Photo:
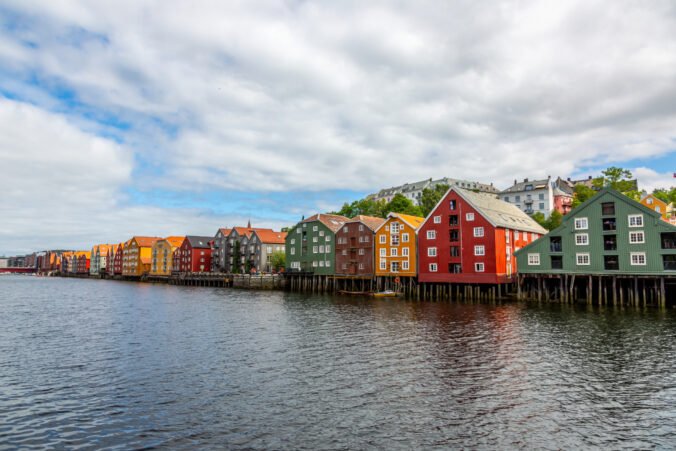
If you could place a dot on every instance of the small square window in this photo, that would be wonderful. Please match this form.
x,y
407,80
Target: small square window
x,y
431,251
533,259
638,258
479,250
433,267
479,267
581,224
469,216
635,220
478,231
437,219
431,234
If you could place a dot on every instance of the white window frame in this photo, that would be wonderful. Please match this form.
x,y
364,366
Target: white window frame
x,y
328,264
328,248
394,252
469,217
394,228
437,219
383,252
361,229
431,234
433,267
637,233
383,239
478,232
579,225
404,252
506,236
638,256
638,223
479,267
315,249
479,250
534,259
404,265
328,239
315,228
404,237
584,242
344,252
431,251
321,263
383,264
582,255
361,251
293,241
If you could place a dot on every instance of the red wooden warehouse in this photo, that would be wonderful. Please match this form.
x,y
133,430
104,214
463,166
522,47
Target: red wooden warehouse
x,y
194,255
470,237
117,260
355,243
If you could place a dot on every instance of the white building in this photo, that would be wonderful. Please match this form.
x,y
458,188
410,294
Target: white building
x,y
413,191
531,196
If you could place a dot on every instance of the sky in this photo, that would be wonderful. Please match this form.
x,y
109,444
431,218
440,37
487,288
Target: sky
x,y
170,118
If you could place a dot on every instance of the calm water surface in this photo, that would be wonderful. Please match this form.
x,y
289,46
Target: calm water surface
x,y
102,364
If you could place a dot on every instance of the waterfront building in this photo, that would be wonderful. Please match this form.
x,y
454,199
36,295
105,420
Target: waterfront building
x,y
310,245
162,253
260,246
83,262
99,258
395,247
226,246
355,246
531,196
608,234
193,255
118,259
470,238
666,210
413,191
137,254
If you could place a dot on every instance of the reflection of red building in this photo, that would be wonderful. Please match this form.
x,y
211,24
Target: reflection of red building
x,y
563,202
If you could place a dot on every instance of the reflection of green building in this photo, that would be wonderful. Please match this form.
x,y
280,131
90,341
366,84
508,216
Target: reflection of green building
x,y
310,245
608,234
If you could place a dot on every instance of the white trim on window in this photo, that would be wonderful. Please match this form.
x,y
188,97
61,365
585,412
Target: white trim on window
x,y
431,251
582,239
479,267
404,252
582,259
478,231
479,250
383,239
638,258
404,237
469,217
431,234
636,237
437,219
635,220
581,223
433,267
533,259
404,265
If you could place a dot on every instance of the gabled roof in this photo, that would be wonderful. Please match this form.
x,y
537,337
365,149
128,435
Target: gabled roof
x,y
174,241
413,221
521,186
654,198
498,212
247,231
371,222
333,222
146,241
271,237
199,242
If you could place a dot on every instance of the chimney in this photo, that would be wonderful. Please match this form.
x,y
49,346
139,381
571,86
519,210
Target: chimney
x,y
525,180
590,177
568,179
515,182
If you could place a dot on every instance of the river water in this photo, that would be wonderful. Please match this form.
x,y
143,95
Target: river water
x,y
102,364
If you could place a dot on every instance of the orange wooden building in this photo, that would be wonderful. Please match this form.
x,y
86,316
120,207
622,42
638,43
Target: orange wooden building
x,y
395,248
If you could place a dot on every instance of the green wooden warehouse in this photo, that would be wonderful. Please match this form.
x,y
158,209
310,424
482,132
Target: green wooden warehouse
x,y
310,246
610,248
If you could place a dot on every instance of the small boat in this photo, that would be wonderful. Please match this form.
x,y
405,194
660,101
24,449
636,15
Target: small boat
x,y
355,293
385,294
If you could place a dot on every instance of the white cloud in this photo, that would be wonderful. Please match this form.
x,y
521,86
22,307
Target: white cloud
x,y
650,179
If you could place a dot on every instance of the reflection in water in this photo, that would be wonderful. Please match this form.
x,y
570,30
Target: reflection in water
x,y
108,364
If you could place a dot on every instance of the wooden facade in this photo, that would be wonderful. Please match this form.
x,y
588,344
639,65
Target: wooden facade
x,y
396,246
355,246
310,246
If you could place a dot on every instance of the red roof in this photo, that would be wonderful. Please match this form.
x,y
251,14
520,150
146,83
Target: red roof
x,y
146,241
371,222
333,222
246,231
270,237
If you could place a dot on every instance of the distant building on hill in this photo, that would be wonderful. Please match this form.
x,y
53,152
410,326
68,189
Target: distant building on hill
x,y
413,191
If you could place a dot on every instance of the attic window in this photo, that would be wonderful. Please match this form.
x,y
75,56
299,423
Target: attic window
x,y
608,208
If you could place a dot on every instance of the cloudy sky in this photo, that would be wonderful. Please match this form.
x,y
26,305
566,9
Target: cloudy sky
x,y
166,117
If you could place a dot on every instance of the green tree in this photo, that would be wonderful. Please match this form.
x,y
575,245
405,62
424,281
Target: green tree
x,y
235,258
278,260
430,198
401,204
665,195
554,220
539,218
582,193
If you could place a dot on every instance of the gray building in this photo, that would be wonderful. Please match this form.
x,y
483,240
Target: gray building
x,y
248,244
413,191
531,196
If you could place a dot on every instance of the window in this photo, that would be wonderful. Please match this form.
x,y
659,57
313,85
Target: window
x,y
387,228
507,236
582,239
478,231
361,266
469,216
293,241
610,243
609,224
437,219
431,234
581,224
668,240
455,251
328,264
541,206
394,240
453,235
516,235
478,267
433,267
404,265
366,238
361,228
431,251
635,220
297,231
315,239
533,259
314,249
394,267
315,228
383,239
393,252
517,198
404,252
395,227
321,249
315,264
345,229
328,248
508,254
479,250
657,208
451,205
321,263
328,239
669,262
383,252
506,199
608,208
454,268
404,237
557,261
344,265
649,201
582,258
453,220
383,264
637,258
321,233
636,237
541,196
611,263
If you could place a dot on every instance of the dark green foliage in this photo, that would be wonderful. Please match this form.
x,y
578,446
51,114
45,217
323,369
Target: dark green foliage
x,y
539,218
582,193
278,259
554,220
665,195
430,198
369,207
401,204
